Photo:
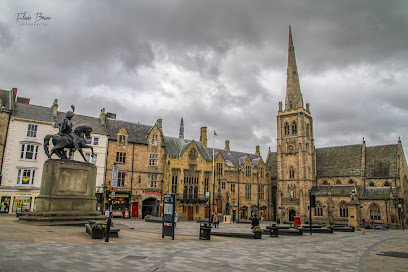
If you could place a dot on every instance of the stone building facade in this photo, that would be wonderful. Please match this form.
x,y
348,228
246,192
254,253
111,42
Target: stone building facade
x,y
372,179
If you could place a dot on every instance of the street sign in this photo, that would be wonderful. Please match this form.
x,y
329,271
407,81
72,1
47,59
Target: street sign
x,y
169,210
114,181
207,194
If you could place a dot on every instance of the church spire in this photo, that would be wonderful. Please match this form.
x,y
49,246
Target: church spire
x,y
181,135
294,98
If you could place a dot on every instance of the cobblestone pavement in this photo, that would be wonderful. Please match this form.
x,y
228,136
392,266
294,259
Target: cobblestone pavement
x,y
140,247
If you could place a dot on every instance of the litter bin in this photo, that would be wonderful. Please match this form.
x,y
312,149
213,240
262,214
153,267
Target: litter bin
x,y
297,221
274,231
205,231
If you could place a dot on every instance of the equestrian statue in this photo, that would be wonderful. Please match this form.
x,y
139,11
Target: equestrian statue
x,y
68,138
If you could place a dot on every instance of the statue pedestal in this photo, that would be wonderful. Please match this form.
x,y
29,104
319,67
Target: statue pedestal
x,y
67,193
354,214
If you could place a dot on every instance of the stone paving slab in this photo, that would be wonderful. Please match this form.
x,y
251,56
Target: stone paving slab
x,y
140,248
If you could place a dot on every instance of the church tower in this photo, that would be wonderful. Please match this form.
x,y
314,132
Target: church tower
x,y
296,156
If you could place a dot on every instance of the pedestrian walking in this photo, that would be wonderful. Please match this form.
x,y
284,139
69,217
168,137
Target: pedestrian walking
x,y
215,220
176,218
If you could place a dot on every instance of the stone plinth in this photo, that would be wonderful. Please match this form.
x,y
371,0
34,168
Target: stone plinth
x,y
67,193
354,214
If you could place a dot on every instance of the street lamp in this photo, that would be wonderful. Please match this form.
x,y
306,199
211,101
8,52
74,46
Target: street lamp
x,y
239,211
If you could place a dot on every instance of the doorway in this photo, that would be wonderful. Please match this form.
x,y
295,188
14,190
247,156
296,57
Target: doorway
x,y
135,209
150,207
190,213
219,205
292,214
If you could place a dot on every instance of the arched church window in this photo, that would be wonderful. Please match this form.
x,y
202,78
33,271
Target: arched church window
x,y
325,182
375,212
371,184
338,182
287,129
318,209
294,128
387,184
343,209
291,172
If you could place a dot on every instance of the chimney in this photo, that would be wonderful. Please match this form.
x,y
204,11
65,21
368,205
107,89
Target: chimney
x,y
203,136
257,151
54,109
160,124
227,148
23,100
14,92
308,107
103,116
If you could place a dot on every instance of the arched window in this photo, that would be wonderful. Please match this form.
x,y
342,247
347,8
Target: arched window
x,y
371,184
375,212
290,105
318,209
343,209
185,192
325,182
307,130
350,181
196,192
387,184
294,128
287,129
291,172
190,191
338,182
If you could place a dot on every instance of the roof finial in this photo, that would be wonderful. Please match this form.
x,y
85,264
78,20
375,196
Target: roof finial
x,y
181,135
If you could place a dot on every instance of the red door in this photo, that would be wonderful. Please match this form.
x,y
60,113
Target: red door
x,y
190,213
207,212
135,209
219,205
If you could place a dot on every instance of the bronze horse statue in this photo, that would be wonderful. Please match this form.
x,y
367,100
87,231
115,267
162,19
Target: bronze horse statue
x,y
61,141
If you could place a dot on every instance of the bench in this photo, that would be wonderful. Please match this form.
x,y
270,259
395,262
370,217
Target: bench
x,y
245,235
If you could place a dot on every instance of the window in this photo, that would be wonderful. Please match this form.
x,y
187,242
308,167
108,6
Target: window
x,y
261,191
174,180
193,154
338,182
318,209
294,128
219,168
371,184
153,160
25,176
291,172
223,184
29,152
261,173
375,212
248,171
233,187
325,182
121,178
32,131
307,130
122,139
197,209
387,184
91,159
152,183
121,157
343,209
92,141
287,129
154,140
350,181
206,182
248,191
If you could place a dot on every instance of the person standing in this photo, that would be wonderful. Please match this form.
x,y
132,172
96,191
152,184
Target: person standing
x,y
176,218
254,221
215,220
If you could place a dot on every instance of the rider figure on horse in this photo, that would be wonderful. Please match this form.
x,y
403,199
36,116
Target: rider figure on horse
x,y
66,129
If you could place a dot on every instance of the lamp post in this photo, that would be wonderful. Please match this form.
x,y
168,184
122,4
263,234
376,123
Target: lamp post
x,y
239,211
113,185
258,193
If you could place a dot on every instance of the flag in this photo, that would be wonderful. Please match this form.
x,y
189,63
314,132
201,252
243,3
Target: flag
x,y
215,133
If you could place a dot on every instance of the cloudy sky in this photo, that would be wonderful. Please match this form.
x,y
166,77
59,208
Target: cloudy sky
x,y
218,63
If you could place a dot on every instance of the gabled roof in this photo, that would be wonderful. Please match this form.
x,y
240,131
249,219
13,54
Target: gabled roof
x,y
79,120
236,158
381,161
5,97
338,161
176,147
32,112
137,132
378,192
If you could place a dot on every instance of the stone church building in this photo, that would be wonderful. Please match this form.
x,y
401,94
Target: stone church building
x,y
375,177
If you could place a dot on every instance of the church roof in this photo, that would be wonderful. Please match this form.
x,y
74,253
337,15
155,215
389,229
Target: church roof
x,y
236,158
272,164
338,161
378,192
176,146
337,190
137,132
381,161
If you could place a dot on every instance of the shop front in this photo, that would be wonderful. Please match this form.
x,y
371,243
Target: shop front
x,y
120,203
20,202
5,204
